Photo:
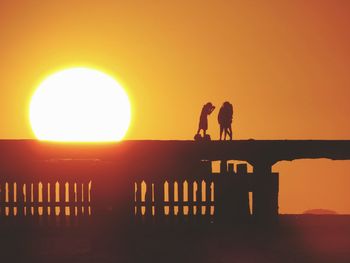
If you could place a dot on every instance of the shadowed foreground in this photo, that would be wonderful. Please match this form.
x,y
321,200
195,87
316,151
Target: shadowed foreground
x,y
297,238
113,232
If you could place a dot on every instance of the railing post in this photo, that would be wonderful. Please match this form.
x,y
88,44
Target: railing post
x,y
62,196
198,198
27,200
52,195
85,195
208,197
10,187
20,199
148,201
2,197
35,190
71,198
171,198
44,198
180,197
159,200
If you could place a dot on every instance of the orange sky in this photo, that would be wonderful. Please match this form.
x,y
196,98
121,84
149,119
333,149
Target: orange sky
x,y
284,66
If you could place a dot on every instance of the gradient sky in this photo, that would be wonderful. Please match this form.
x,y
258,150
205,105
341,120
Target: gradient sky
x,y
283,65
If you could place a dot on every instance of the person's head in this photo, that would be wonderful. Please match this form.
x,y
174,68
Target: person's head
x,y
209,105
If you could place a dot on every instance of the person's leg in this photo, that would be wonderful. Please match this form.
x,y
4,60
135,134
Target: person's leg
x,y
199,130
221,131
230,132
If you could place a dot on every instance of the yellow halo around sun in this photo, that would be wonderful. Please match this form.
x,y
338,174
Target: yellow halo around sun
x,y
80,105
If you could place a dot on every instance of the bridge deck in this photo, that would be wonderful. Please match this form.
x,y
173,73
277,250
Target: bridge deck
x,y
119,172
252,151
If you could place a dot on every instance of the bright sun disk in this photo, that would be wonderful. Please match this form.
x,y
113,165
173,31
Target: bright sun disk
x,y
80,105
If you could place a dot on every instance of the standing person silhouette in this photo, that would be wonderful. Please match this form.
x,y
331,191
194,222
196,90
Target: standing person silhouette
x,y
221,120
229,119
225,120
203,119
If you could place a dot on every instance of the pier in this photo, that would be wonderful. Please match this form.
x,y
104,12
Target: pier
x,y
150,181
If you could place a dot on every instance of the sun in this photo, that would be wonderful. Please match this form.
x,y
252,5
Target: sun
x,y
80,105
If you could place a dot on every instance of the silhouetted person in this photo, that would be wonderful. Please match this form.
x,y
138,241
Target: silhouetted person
x,y
203,120
221,120
225,120
228,127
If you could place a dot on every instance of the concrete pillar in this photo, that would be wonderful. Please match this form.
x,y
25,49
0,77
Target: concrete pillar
x,y
265,193
231,197
223,167
241,198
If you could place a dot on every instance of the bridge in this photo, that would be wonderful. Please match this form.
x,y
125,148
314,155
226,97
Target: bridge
x,y
150,180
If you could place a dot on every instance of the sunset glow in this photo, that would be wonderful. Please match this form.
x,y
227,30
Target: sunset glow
x,y
80,105
284,65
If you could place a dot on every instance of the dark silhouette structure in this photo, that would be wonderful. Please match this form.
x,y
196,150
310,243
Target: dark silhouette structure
x,y
152,181
203,119
225,120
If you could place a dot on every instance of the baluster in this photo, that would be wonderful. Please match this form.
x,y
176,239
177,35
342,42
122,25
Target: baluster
x,y
44,199
66,214
62,199
166,198
171,197
148,200
26,199
71,198
30,199
198,195
203,188
191,198
81,197
15,199
78,196
2,197
176,198
180,197
20,199
212,199
40,199
142,198
10,201
85,200
52,197
35,201
89,197
208,197
138,199
135,199
186,206
153,201
159,199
